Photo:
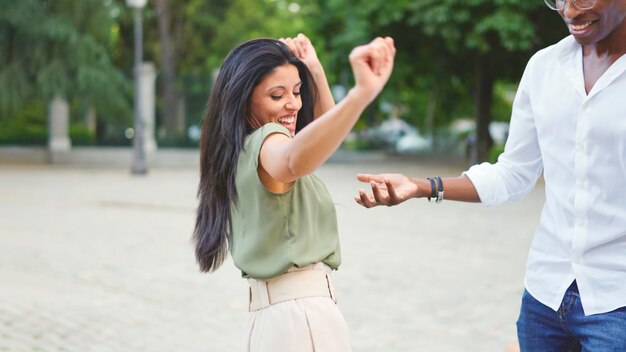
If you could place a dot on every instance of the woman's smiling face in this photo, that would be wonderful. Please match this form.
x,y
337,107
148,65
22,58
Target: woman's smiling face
x,y
277,99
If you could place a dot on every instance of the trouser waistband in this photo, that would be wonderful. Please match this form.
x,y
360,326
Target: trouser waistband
x,y
288,286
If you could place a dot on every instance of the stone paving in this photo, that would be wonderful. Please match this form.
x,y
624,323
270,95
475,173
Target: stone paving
x,y
99,260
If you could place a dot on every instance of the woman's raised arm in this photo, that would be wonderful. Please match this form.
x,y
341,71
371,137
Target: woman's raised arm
x,y
286,159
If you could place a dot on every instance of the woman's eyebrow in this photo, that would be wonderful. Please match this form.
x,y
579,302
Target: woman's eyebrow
x,y
283,87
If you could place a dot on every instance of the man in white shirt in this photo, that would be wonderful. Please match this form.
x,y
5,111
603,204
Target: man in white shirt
x,y
569,121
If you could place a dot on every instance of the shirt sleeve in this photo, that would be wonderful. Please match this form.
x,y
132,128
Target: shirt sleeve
x,y
261,134
519,167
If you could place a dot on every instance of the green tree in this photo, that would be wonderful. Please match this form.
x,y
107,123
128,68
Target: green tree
x,y
59,48
245,20
494,37
448,50
188,39
185,28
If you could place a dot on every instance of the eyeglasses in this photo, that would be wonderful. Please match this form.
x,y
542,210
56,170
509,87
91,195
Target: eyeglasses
x,y
560,4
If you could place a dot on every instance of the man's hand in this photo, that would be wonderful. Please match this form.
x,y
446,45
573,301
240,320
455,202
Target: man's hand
x,y
387,189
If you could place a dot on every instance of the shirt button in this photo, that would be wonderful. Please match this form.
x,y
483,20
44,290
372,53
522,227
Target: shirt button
x,y
579,147
576,259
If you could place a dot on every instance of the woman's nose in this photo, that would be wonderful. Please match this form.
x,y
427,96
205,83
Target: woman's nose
x,y
294,103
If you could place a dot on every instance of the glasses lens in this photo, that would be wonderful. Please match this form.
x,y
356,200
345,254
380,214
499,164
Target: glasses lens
x,y
560,4
554,4
585,4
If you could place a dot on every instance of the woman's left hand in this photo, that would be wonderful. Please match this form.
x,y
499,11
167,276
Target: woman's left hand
x,y
302,48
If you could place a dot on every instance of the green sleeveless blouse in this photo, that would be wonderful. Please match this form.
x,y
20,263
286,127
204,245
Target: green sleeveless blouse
x,y
272,232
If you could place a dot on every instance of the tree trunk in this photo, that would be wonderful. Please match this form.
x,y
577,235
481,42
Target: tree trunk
x,y
90,119
431,110
482,102
168,68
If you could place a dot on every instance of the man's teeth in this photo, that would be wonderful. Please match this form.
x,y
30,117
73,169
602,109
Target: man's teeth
x,y
287,119
580,27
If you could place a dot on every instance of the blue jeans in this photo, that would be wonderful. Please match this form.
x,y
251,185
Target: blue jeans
x,y
540,329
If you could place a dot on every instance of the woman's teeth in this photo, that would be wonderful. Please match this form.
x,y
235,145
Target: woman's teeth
x,y
287,119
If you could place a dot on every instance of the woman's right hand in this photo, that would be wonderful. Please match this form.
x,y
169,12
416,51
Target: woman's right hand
x,y
372,65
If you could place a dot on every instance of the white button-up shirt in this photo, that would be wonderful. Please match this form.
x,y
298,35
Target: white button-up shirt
x,y
578,140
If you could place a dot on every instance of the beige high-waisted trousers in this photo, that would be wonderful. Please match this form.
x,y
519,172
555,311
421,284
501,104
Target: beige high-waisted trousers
x,y
296,312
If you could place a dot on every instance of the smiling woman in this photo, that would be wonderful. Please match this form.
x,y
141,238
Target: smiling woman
x,y
270,123
277,99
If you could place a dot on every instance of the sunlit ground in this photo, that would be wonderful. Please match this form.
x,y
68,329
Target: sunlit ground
x,y
99,260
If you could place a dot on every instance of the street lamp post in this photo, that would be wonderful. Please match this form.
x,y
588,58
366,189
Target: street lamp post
x,y
139,166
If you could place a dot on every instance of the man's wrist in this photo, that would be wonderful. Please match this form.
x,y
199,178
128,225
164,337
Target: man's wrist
x,y
423,188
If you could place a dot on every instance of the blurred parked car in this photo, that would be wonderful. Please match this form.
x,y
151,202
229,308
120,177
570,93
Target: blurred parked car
x,y
412,143
397,135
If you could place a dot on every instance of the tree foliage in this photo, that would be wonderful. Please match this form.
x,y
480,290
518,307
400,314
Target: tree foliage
x,y
451,53
59,48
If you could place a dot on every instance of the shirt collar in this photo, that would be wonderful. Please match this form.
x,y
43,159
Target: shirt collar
x,y
570,57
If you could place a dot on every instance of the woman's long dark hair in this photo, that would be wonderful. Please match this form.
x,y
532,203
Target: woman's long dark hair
x,y
225,127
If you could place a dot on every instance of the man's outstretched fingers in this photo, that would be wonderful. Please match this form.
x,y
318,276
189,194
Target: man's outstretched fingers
x,y
375,191
368,178
392,192
365,200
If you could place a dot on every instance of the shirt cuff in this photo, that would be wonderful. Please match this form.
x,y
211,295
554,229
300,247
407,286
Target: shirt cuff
x,y
490,187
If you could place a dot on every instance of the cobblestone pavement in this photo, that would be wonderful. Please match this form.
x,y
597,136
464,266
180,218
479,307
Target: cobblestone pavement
x,y
99,260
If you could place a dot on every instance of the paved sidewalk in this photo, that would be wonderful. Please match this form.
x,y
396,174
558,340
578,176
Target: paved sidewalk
x,y
99,260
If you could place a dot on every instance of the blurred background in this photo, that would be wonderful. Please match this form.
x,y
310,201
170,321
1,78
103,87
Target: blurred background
x,y
66,68
94,258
